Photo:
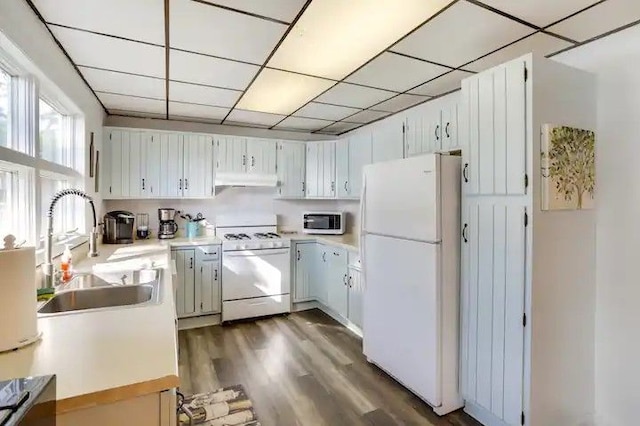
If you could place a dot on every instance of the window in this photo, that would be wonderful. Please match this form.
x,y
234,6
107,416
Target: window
x,y
5,108
14,200
68,218
55,137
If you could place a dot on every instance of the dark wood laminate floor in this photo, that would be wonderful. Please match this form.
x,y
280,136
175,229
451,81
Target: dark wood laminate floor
x,y
301,369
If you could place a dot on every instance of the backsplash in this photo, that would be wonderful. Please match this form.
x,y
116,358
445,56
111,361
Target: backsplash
x,y
240,200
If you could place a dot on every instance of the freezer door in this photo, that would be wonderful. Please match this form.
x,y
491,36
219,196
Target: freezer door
x,y
401,324
401,198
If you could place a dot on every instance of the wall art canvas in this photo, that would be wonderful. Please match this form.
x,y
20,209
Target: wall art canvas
x,y
568,168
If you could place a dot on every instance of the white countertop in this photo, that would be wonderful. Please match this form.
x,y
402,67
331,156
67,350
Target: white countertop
x,y
95,351
347,241
197,241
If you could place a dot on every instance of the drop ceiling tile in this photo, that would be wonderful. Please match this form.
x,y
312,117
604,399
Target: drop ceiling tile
x,y
354,96
399,102
117,82
178,109
130,103
396,72
325,111
461,34
539,43
201,28
138,20
366,116
195,94
283,10
340,127
299,123
599,19
201,69
137,114
443,84
539,12
254,117
111,53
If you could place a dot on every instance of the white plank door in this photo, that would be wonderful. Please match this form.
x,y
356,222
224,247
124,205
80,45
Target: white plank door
x,y
207,282
198,166
387,139
432,138
313,169
304,271
359,156
115,148
329,170
321,273
136,161
414,133
337,281
450,127
291,169
261,156
151,181
493,291
356,296
231,155
171,162
343,163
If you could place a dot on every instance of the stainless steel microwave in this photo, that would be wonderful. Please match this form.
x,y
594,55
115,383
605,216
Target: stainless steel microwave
x,y
327,223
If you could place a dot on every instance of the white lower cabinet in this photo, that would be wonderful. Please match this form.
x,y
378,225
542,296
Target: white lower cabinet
x,y
305,272
336,280
198,280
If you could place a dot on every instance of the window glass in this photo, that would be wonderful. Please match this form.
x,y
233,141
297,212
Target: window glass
x,y
54,138
63,213
5,108
7,202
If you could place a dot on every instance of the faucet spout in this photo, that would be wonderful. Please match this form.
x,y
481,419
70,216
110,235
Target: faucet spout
x,y
47,267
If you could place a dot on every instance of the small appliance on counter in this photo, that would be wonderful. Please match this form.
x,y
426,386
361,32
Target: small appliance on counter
x,y
28,401
168,226
324,223
142,226
118,227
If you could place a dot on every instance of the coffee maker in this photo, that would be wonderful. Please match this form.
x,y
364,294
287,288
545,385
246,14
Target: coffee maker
x,y
168,226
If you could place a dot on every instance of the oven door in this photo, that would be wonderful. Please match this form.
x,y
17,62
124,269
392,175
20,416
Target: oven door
x,y
255,273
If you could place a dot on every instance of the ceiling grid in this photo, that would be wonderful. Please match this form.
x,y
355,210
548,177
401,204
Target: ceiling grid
x,y
145,59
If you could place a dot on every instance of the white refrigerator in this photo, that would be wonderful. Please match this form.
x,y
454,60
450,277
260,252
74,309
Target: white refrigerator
x,y
410,248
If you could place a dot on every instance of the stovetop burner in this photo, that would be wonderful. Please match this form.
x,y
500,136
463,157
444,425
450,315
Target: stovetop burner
x,y
237,237
266,235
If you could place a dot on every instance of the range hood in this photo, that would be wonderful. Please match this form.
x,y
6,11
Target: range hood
x,y
246,179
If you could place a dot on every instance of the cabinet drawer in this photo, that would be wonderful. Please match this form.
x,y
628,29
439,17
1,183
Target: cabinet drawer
x,y
257,307
208,253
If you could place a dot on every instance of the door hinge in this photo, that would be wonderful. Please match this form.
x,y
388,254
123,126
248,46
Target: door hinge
x,y
526,181
526,219
526,74
522,418
524,320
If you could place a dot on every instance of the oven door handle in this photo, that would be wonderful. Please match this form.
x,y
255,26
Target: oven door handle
x,y
258,252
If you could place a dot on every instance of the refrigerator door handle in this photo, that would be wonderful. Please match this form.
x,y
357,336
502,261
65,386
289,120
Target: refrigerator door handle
x,y
363,201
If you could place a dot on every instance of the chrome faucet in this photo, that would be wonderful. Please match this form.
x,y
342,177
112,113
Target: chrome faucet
x,y
47,267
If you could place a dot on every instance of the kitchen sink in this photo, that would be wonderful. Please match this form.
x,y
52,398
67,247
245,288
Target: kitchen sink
x,y
102,297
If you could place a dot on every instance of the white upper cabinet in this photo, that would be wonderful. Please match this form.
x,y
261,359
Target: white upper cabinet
x,y
494,133
432,127
387,139
449,133
321,169
360,147
231,154
261,156
342,168
291,169
415,132
171,182
198,166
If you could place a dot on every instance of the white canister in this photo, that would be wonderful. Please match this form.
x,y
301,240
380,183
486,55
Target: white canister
x,y
18,316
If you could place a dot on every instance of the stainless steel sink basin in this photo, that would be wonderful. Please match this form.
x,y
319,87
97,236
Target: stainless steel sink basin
x,y
101,298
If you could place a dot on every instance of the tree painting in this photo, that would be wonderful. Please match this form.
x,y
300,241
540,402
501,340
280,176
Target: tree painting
x,y
568,168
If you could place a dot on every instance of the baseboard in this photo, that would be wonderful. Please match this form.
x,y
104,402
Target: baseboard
x,y
482,415
196,322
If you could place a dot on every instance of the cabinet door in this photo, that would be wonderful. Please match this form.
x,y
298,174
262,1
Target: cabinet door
x,y
388,139
291,169
342,167
493,294
450,127
359,156
208,285
171,157
433,132
494,108
314,172
337,285
305,260
116,160
414,133
231,155
135,162
185,287
356,294
198,166
151,180
321,268
329,170
261,156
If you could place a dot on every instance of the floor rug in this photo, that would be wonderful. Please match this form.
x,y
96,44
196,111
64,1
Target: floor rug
x,y
228,406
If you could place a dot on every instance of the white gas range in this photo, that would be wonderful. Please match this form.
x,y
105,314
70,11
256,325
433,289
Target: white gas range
x,y
256,265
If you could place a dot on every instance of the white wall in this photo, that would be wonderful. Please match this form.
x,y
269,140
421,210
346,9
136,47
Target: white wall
x,y
616,60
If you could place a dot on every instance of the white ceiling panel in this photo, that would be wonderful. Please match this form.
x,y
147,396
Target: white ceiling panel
x,y
199,111
354,96
366,116
201,69
540,43
340,127
201,28
300,123
138,20
111,53
254,117
399,102
396,72
599,19
117,82
195,94
325,111
131,103
443,84
283,10
461,34
137,114
539,12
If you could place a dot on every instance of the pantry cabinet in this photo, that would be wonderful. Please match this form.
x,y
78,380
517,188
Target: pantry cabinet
x,y
197,288
291,167
321,169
